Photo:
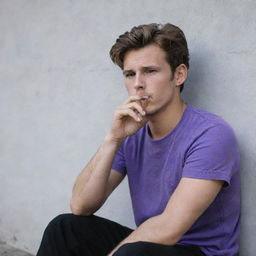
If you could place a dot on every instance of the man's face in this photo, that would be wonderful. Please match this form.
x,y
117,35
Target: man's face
x,y
147,72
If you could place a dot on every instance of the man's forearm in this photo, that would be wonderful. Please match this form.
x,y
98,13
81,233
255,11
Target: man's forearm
x,y
155,230
90,187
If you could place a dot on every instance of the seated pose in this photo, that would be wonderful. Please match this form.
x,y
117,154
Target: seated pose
x,y
182,165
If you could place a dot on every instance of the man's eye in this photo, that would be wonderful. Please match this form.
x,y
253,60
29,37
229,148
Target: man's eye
x,y
129,74
151,70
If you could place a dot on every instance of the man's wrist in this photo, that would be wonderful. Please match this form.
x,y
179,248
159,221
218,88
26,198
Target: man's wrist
x,y
111,139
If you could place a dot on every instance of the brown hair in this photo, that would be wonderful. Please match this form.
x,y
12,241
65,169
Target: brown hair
x,y
168,37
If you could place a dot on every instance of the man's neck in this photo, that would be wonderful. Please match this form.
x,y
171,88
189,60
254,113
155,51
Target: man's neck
x,y
164,122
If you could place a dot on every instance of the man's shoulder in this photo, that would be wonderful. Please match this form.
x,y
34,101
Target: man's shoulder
x,y
209,125
205,115
205,119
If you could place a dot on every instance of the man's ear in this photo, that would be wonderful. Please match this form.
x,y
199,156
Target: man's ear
x,y
180,74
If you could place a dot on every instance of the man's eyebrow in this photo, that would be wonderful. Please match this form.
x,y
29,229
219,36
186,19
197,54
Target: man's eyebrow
x,y
127,71
150,67
142,68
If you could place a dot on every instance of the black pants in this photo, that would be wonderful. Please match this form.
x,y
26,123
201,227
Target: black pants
x,y
70,235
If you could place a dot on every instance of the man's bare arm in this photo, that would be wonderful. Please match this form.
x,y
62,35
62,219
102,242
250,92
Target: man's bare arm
x,y
190,199
96,181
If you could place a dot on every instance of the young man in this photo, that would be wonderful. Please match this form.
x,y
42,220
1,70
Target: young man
x,y
182,164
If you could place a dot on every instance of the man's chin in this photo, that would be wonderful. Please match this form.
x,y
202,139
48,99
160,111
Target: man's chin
x,y
150,113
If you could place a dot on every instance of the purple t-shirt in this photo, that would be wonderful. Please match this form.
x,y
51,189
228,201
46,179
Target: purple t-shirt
x,y
202,146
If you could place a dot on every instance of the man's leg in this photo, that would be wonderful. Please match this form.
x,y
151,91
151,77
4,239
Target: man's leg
x,y
153,249
71,235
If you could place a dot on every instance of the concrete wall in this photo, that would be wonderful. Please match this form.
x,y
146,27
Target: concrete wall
x,y
59,89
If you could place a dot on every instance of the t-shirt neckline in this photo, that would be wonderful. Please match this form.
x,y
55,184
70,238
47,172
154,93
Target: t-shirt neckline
x,y
173,131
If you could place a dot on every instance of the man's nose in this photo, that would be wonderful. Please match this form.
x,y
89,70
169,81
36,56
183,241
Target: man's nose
x,y
139,82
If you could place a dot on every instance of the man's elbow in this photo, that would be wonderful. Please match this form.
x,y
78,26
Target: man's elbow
x,y
79,209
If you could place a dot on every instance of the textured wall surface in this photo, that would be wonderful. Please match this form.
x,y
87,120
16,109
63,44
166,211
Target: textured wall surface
x,y
59,89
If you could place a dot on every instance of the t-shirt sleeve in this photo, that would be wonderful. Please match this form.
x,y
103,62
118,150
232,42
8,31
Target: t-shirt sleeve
x,y
213,155
119,161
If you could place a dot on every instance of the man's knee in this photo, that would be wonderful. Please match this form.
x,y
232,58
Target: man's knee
x,y
65,222
57,221
129,249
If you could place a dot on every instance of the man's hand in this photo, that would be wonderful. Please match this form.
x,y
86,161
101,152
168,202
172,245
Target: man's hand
x,y
128,118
